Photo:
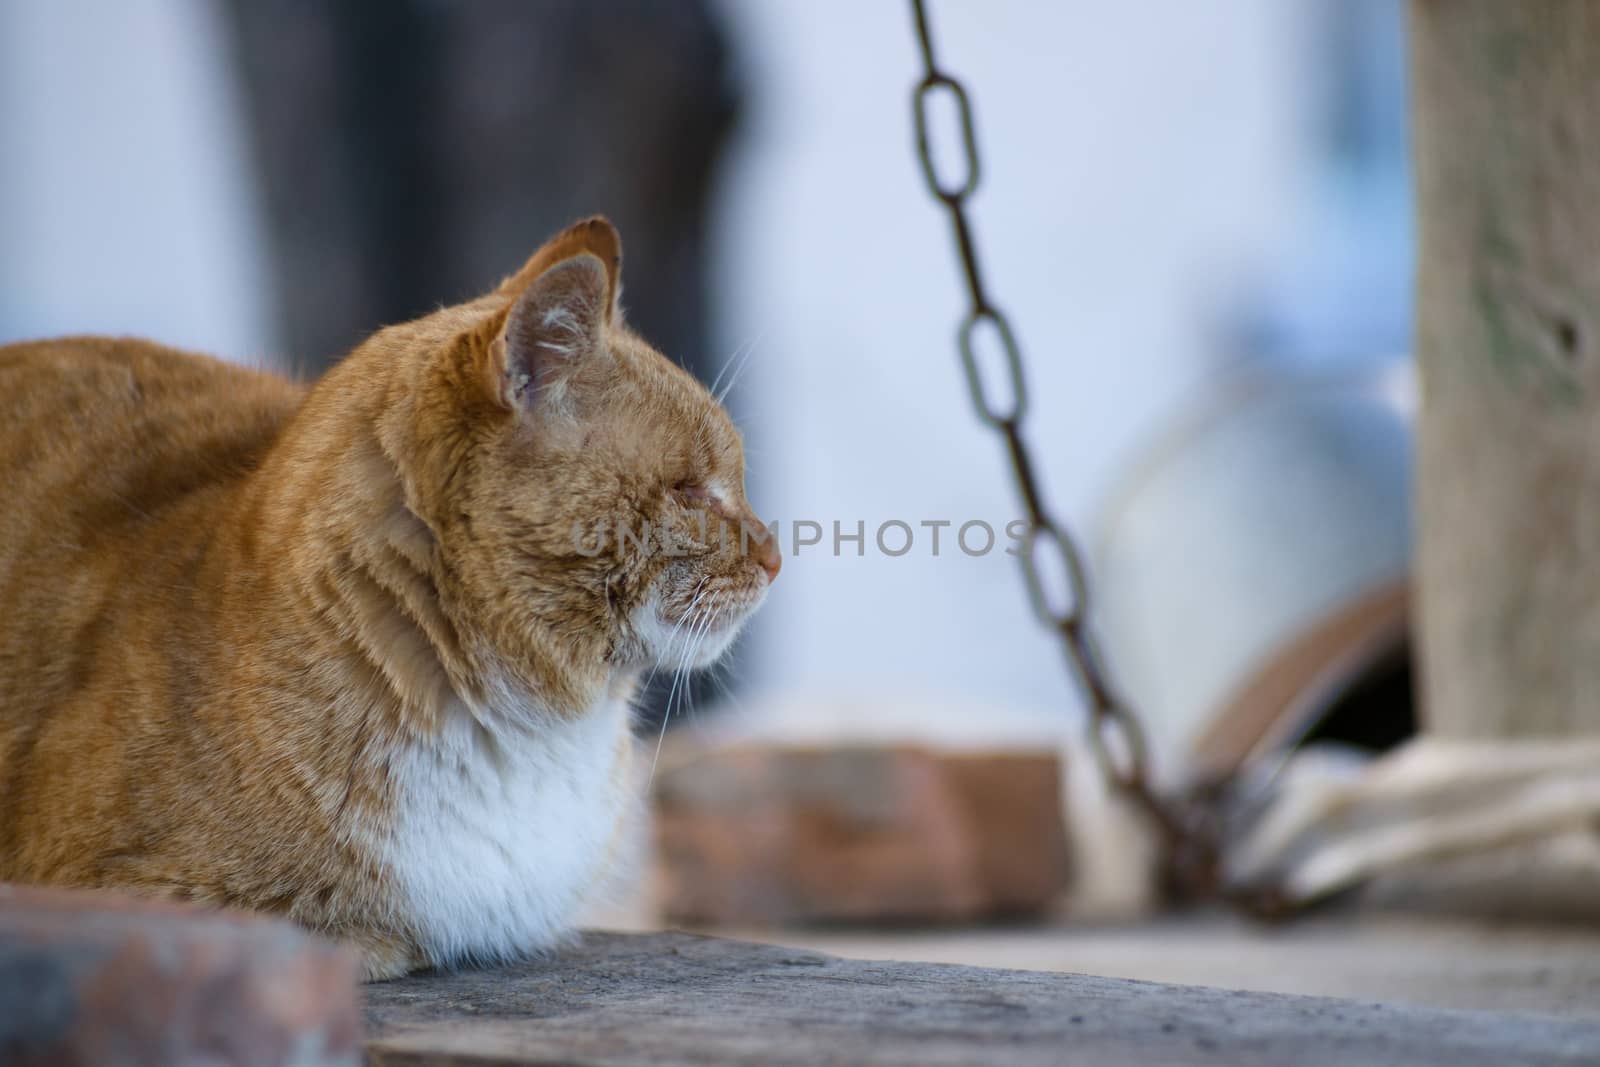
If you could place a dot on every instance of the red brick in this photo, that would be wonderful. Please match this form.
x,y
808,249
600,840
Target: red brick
x,y
97,978
904,834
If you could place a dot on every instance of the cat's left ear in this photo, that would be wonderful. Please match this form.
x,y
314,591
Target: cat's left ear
x,y
561,303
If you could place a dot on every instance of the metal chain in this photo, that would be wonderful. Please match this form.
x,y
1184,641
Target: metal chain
x,y
1115,735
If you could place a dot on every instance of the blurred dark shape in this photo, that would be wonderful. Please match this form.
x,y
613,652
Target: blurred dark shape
x,y
414,152
1378,711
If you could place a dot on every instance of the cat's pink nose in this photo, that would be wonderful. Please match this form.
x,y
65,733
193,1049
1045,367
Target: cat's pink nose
x,y
766,553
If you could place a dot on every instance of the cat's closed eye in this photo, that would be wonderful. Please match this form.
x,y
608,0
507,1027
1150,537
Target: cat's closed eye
x,y
691,492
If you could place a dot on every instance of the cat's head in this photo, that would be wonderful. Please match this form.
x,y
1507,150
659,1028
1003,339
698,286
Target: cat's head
x,y
588,492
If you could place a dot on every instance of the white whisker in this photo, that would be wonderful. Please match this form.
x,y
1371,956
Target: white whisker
x,y
738,370
699,592
701,625
738,359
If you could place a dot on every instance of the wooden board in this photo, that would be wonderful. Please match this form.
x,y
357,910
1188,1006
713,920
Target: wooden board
x,y
1506,102
672,998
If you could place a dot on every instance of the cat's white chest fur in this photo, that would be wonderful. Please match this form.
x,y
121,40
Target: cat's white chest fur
x,y
501,838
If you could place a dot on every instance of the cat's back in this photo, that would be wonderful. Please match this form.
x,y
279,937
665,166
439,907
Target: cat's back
x,y
95,430
116,457
118,461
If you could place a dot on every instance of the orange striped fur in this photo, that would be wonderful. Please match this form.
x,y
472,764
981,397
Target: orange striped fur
x,y
334,652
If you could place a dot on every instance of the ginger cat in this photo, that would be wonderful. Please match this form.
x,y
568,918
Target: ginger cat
x,y
349,654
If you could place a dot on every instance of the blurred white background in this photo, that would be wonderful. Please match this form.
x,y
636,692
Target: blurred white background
x,y
126,203
1149,169
1153,171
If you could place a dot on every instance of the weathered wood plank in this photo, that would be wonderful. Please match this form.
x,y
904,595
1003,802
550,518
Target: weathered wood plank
x,y
1506,98
619,999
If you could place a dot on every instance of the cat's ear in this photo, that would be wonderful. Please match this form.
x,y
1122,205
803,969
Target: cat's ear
x,y
592,236
561,302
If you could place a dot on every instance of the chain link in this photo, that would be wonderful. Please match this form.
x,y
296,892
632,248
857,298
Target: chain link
x,y
1115,735
996,418
1043,531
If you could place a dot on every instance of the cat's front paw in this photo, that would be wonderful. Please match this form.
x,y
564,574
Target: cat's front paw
x,y
382,960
